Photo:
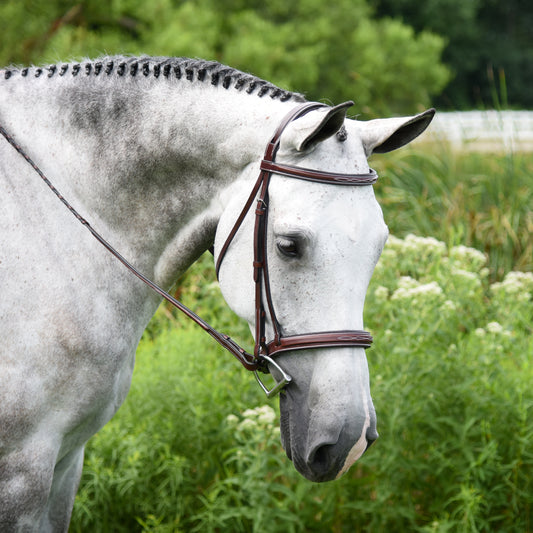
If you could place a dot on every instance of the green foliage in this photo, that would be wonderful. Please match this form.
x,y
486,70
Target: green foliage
x,y
336,51
195,449
483,202
150,463
482,37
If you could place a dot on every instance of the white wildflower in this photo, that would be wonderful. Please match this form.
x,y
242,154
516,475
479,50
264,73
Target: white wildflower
x,y
266,415
381,293
469,257
471,278
425,290
407,282
515,283
494,327
497,329
525,278
480,332
232,420
411,247
425,245
448,305
247,424
466,274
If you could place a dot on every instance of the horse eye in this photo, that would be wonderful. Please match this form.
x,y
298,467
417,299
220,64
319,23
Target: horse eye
x,y
288,247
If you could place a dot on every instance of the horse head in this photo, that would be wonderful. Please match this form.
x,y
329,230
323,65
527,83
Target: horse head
x,y
322,244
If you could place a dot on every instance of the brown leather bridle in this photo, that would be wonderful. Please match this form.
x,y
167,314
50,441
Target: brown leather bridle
x,y
263,350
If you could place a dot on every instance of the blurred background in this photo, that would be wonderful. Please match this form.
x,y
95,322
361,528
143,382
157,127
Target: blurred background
x,y
392,56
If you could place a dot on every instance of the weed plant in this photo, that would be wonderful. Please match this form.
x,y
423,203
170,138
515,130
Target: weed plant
x,y
195,448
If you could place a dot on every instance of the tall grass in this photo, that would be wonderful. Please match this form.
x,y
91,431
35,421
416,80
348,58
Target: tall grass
x,y
477,199
194,448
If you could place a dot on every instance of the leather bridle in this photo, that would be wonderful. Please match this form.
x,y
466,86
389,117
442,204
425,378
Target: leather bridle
x,y
263,350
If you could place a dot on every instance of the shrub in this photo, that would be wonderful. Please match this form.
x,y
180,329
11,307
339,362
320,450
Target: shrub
x,y
194,448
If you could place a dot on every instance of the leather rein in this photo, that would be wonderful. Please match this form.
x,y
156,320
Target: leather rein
x,y
263,350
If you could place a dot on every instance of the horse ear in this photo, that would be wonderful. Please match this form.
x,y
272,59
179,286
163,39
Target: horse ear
x,y
387,134
313,128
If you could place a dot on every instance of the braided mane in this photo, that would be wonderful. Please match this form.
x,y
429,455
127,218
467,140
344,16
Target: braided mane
x,y
179,68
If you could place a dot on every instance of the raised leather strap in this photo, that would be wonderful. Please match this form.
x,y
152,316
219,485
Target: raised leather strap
x,y
238,223
327,339
319,176
270,154
297,112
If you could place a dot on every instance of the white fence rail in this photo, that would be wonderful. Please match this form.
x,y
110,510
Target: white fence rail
x,y
483,130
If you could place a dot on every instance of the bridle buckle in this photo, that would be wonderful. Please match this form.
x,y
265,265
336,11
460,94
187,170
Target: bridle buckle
x,y
285,378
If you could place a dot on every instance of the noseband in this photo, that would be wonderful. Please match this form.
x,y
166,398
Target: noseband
x,y
263,350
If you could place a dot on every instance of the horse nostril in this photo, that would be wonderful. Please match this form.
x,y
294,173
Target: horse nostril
x,y
320,461
319,457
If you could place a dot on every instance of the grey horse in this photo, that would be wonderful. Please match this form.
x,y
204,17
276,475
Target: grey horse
x,y
160,154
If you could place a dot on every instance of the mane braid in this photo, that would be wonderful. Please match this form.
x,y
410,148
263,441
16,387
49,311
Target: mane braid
x,y
167,68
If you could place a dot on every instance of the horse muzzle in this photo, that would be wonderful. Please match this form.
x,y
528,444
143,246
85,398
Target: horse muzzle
x,y
323,444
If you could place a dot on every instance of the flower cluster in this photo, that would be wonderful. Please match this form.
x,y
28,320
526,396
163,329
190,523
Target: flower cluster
x,y
419,270
428,289
468,256
411,289
259,419
417,245
515,284
494,328
256,431
412,254
425,260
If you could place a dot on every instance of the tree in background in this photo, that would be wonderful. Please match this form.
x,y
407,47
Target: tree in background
x,y
490,47
336,50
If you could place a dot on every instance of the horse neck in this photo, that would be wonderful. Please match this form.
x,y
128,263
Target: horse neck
x,y
145,159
